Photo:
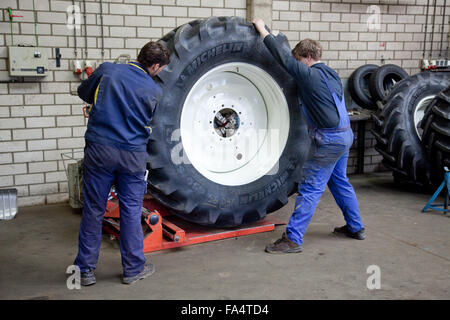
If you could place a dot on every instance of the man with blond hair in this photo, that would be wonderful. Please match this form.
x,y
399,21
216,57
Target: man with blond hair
x,y
322,95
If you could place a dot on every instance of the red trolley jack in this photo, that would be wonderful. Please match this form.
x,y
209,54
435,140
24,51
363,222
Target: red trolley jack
x,y
162,230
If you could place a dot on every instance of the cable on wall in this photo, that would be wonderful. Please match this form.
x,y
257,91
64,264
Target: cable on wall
x,y
35,24
75,33
85,30
426,29
442,28
102,33
432,29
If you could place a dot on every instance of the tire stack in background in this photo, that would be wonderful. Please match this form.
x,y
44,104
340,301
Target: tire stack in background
x,y
371,83
411,120
436,133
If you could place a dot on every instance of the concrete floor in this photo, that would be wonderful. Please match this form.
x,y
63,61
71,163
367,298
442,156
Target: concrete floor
x,y
411,249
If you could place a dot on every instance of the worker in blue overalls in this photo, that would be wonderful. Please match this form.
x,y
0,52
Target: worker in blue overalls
x,y
322,96
123,98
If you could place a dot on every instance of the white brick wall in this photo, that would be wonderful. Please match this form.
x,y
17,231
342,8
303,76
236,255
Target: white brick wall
x,y
400,37
40,118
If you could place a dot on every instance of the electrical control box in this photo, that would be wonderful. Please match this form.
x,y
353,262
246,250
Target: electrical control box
x,y
27,61
434,64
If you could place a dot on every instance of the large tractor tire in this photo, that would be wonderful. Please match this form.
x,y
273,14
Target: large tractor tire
x,y
358,85
397,127
228,138
436,133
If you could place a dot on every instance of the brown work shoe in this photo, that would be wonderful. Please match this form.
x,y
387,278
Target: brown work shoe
x,y
283,245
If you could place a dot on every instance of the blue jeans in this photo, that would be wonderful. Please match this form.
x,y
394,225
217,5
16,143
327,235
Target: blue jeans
x,y
103,166
327,164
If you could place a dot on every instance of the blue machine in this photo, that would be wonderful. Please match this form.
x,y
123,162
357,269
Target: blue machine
x,y
445,183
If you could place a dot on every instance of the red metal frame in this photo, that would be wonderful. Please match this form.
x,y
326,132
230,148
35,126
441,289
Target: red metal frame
x,y
170,231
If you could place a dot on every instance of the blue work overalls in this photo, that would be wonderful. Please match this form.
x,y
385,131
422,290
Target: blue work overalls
x,y
327,164
115,153
104,166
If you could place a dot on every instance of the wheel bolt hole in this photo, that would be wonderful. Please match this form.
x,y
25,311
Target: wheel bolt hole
x,y
239,156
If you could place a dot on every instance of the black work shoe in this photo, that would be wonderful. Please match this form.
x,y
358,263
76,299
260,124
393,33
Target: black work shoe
x,y
360,235
149,269
283,245
88,278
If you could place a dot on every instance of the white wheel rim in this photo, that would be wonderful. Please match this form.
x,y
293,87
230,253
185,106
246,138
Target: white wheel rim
x,y
419,113
260,133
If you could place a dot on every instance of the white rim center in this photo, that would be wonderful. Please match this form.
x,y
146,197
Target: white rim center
x,y
419,113
235,124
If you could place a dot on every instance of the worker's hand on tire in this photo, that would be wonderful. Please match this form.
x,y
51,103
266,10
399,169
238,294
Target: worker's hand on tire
x,y
260,27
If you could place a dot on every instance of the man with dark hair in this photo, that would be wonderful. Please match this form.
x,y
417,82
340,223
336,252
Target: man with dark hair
x,y
322,96
123,98
153,53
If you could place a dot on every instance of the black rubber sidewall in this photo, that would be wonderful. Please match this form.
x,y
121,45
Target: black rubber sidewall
x,y
403,151
358,77
208,195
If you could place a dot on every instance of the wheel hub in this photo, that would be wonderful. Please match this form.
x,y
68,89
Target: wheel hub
x,y
226,122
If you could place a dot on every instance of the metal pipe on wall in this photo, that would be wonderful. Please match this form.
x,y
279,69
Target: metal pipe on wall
x,y
75,32
442,28
426,30
85,30
35,24
432,29
101,28
448,40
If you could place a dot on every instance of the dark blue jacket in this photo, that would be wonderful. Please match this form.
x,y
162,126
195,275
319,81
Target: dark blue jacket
x,y
124,98
313,91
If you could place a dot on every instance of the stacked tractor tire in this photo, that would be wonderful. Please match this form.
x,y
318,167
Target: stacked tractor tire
x,y
411,120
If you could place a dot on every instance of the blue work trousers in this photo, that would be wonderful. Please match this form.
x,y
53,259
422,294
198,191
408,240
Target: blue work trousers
x,y
327,164
104,166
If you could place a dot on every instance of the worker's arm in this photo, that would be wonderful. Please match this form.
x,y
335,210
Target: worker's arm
x,y
298,70
86,90
155,102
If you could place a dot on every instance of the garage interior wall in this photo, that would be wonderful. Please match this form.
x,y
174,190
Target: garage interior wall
x,y
41,118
